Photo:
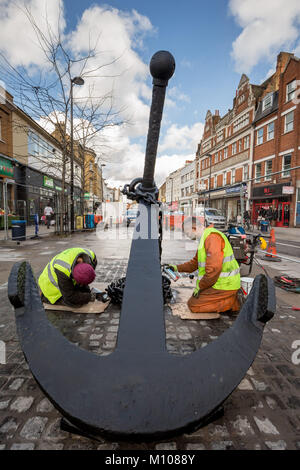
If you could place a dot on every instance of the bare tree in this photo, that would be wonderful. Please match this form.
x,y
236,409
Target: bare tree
x,y
46,97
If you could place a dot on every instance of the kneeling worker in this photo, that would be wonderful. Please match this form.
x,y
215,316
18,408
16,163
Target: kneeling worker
x,y
218,272
66,277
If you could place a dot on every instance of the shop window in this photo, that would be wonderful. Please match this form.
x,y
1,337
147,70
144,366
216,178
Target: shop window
x,y
286,165
289,122
257,173
260,136
270,131
269,164
290,90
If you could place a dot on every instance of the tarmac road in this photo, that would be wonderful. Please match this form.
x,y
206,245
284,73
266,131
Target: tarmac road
x,y
288,247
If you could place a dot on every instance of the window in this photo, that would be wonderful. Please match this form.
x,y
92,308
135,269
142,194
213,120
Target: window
x,y
241,122
270,131
267,102
216,157
257,172
247,142
225,152
286,165
260,136
289,122
233,177
233,148
290,90
240,145
268,171
245,173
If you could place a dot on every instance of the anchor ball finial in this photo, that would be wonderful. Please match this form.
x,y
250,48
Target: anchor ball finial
x,y
162,65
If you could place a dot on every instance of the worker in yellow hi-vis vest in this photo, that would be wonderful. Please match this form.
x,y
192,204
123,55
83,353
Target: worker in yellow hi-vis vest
x,y
66,278
218,279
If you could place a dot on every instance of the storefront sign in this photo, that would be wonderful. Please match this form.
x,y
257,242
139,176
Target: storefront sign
x,y
272,190
6,167
288,190
86,195
48,182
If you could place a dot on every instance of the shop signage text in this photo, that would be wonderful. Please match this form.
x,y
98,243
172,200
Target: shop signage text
x,y
6,168
48,182
271,191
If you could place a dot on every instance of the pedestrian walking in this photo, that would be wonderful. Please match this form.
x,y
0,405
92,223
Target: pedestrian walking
x,y
48,213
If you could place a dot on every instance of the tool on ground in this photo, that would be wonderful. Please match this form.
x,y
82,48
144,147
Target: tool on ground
x,y
290,284
291,308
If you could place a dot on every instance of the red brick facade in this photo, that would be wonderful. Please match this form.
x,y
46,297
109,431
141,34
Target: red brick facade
x,y
258,136
282,149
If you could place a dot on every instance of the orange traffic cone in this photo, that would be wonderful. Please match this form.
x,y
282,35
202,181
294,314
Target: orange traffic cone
x,y
271,248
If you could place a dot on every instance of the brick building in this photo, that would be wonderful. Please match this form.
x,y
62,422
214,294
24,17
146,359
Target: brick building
x,y
6,149
277,146
223,157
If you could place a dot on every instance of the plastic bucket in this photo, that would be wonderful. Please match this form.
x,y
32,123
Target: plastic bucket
x,y
246,284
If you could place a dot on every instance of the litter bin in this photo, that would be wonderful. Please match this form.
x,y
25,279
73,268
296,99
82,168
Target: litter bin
x,y
264,226
18,230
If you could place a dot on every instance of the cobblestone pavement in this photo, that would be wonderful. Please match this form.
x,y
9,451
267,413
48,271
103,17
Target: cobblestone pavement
x,y
262,413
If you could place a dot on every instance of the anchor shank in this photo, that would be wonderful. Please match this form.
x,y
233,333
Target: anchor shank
x,y
142,325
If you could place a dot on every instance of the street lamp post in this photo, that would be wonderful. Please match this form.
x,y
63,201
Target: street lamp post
x,y
74,81
210,157
102,165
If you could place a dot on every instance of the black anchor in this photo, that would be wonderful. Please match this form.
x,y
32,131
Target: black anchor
x,y
140,391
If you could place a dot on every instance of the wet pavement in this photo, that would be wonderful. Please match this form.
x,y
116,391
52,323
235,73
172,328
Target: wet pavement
x,y
262,413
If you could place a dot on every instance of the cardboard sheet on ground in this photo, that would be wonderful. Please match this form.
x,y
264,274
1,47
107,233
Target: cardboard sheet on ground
x,y
91,307
183,292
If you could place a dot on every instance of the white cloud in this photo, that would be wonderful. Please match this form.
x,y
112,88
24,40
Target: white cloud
x,y
18,39
267,28
182,138
115,34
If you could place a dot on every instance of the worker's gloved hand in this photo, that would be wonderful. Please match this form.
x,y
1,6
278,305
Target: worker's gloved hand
x,y
196,292
173,267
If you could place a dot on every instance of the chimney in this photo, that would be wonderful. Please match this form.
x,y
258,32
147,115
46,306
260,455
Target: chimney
x,y
217,112
282,60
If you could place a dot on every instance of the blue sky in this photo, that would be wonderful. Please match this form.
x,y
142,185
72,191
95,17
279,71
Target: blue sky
x,y
213,43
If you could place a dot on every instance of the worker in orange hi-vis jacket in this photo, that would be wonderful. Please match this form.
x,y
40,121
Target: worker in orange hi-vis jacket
x,y
218,271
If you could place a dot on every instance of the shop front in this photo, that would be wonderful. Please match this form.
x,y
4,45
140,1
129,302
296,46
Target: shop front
x,y
273,203
6,184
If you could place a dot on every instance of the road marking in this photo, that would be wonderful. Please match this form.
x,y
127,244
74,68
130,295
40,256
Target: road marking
x,y
285,244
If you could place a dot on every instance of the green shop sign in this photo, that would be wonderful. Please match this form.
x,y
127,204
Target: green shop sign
x,y
86,195
48,182
6,167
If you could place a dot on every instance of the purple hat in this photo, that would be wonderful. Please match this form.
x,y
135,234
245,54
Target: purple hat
x,y
83,273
